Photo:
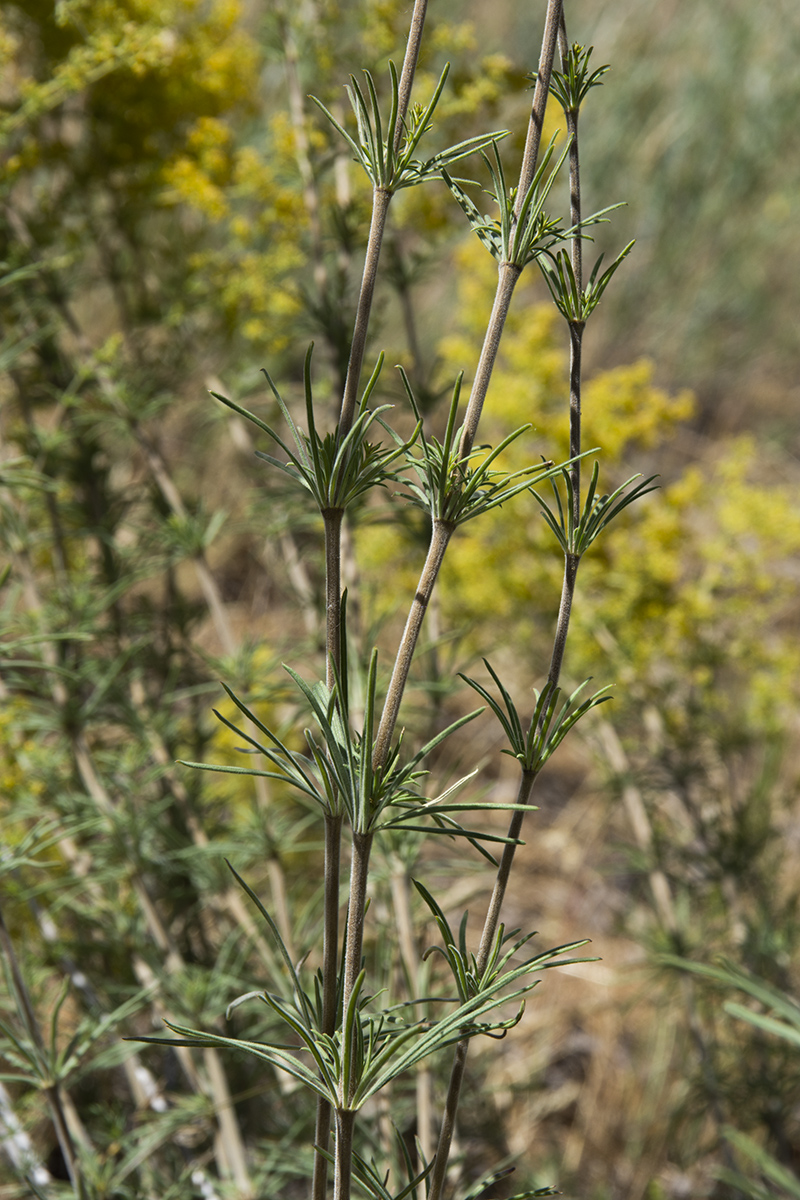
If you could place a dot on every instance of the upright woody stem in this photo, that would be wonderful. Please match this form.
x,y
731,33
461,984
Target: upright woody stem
x,y
380,208
509,273
381,199
440,538
506,283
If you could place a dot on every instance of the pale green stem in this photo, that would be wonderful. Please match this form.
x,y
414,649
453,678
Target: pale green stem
x,y
491,343
330,976
440,536
380,207
359,877
343,1161
508,274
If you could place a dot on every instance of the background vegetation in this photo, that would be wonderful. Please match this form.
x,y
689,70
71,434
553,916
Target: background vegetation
x,y
174,216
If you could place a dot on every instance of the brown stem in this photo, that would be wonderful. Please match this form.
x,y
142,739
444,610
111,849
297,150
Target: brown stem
x,y
359,877
330,975
333,593
440,536
575,346
539,104
490,927
343,1162
571,564
409,67
380,207
508,274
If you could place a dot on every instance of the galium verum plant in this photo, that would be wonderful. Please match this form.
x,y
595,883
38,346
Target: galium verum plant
x,y
342,1039
345,1045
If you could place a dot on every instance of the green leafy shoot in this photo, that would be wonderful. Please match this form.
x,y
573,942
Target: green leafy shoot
x,y
571,86
548,726
335,473
519,239
390,169
469,980
508,239
337,773
574,303
598,511
372,1048
450,489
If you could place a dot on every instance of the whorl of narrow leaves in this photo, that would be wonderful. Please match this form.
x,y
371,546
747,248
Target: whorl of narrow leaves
x,y
335,473
450,488
576,304
390,169
572,84
547,727
519,240
598,511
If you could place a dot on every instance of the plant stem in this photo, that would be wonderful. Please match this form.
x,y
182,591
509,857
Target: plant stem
x,y
508,274
576,328
359,877
494,331
343,1168
409,67
490,927
333,844
380,207
333,592
571,562
539,103
440,537
330,975
345,1117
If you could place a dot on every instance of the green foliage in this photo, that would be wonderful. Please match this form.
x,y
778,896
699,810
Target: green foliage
x,y
390,166
172,214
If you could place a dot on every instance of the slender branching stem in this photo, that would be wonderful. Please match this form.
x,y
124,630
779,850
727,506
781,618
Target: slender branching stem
x,y
333,592
575,347
508,274
333,842
343,1163
492,921
330,976
380,207
440,537
571,563
359,877
409,67
448,1126
401,903
345,1119
539,104
576,328
505,289
490,927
